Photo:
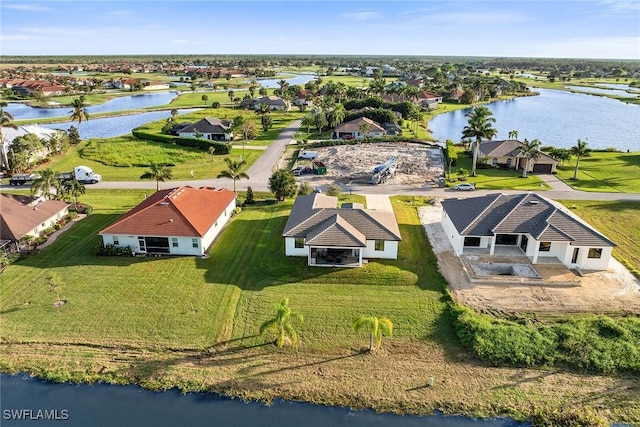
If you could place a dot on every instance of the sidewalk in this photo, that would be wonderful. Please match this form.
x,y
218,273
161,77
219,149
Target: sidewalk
x,y
379,202
52,238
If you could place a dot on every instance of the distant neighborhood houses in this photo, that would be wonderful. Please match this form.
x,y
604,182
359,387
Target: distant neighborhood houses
x,y
510,154
274,103
210,128
22,216
177,221
346,237
544,233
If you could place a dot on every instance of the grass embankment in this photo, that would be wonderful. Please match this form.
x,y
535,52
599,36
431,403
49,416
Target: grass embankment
x,y
192,323
493,178
604,172
619,221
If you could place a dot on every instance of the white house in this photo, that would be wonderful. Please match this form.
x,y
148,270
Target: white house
x,y
9,135
22,216
331,237
178,221
541,230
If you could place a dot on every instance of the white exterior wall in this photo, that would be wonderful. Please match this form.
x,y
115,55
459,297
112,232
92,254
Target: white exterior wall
x,y
457,241
49,222
123,241
222,220
586,263
390,250
291,250
558,250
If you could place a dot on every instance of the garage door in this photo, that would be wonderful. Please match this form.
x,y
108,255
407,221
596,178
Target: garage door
x,y
542,168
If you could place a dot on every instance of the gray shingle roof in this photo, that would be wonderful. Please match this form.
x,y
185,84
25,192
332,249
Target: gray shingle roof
x,y
211,125
518,214
317,219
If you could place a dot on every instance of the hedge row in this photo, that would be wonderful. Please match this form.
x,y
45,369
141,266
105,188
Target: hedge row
x,y
205,144
366,140
591,343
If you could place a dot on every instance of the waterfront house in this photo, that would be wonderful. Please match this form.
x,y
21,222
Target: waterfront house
x,y
509,154
210,128
177,221
359,128
529,222
346,237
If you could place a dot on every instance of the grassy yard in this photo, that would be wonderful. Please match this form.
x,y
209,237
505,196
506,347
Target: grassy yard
x,y
619,221
605,171
496,179
192,323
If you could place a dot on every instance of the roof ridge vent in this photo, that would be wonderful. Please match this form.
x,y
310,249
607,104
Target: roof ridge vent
x,y
533,202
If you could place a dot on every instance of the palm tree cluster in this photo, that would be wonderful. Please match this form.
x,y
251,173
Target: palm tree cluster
x,y
479,127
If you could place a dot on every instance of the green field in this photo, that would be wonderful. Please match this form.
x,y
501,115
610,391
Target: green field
x,y
605,171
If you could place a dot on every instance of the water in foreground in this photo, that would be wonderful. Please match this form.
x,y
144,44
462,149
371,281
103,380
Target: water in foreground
x,y
131,406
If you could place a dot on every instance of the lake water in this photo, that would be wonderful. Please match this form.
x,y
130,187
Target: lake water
x,y
21,111
556,118
299,79
131,406
109,127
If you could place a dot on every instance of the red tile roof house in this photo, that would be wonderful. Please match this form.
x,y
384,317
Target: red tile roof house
x,y
22,216
178,221
344,237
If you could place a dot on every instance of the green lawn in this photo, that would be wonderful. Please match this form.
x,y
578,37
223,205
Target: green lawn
x,y
187,302
495,179
605,171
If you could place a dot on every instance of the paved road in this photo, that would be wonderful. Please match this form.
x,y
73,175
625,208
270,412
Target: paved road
x,y
262,169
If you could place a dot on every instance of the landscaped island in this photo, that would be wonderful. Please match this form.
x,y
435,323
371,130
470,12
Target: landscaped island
x,y
193,323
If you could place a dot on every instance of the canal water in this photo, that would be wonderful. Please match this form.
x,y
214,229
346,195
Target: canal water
x,y
556,118
102,405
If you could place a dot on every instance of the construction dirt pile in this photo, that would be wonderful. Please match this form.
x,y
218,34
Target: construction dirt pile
x,y
414,164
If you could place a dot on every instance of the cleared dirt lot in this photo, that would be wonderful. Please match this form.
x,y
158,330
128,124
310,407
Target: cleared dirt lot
x,y
415,163
612,291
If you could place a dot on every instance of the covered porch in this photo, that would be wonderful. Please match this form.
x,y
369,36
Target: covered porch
x,y
335,257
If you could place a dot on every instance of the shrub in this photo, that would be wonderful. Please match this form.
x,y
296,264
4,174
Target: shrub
x,y
72,215
333,190
111,250
215,104
249,200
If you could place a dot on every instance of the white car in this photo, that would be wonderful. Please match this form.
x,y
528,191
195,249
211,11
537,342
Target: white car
x,y
465,186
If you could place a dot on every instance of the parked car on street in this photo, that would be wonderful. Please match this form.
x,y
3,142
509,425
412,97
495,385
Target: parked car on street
x,y
465,186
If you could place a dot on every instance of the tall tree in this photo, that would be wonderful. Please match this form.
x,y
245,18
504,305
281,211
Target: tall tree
x,y
79,112
376,326
282,184
204,98
336,115
6,121
308,120
157,172
44,183
282,322
531,151
579,150
75,189
513,134
234,171
479,127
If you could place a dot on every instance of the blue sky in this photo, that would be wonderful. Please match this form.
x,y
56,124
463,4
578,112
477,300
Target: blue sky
x,y
558,29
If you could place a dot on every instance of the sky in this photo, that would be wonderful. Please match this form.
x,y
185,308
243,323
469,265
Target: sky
x,y
608,29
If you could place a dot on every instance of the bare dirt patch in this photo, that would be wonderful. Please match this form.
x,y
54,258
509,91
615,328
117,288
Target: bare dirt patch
x,y
415,164
560,291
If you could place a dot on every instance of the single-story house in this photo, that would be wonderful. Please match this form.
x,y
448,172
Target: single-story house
x,y
177,221
210,128
302,97
22,216
329,236
510,154
429,100
155,85
9,135
359,128
274,103
541,230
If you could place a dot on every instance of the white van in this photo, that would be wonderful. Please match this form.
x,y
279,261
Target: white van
x,y
309,155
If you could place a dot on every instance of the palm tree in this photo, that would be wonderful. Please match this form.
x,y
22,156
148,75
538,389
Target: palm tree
x,y
79,112
283,87
75,189
160,173
43,184
376,326
479,127
234,171
513,134
579,150
531,151
6,121
281,322
308,120
336,115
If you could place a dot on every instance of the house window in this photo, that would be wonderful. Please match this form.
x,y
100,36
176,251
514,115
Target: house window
x,y
595,253
174,242
116,240
545,246
379,245
299,242
194,243
494,162
509,161
472,241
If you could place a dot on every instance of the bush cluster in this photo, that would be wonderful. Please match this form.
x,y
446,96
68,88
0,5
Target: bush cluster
x,y
589,343
365,140
111,250
204,144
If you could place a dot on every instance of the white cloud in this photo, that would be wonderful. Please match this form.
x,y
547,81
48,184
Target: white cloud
x,y
4,37
178,41
361,16
27,7
621,6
